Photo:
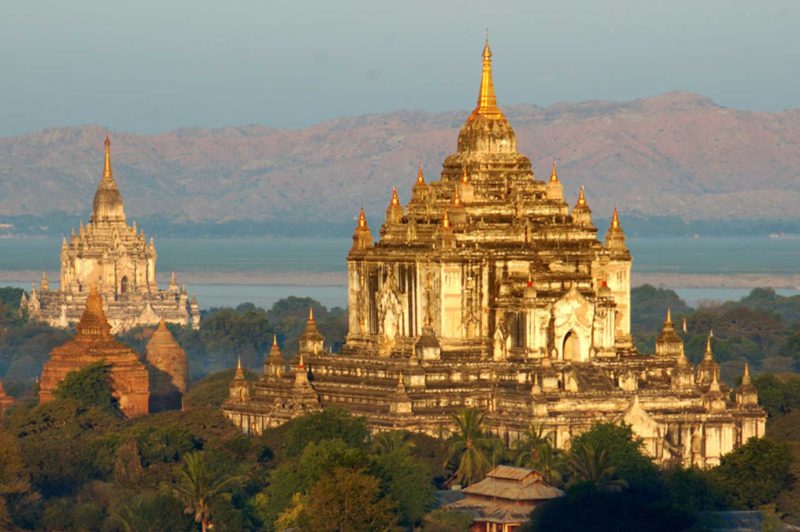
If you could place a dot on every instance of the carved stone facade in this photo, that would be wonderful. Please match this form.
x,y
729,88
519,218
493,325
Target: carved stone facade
x,y
94,343
488,291
116,257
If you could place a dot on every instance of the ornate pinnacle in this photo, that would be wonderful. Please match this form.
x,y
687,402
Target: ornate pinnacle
x,y
615,221
554,173
362,221
420,176
487,101
464,176
395,201
107,166
746,380
581,199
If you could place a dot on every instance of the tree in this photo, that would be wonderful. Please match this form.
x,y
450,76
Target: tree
x,y
197,487
407,480
329,424
349,500
534,450
755,473
441,520
470,447
589,463
89,387
624,453
385,443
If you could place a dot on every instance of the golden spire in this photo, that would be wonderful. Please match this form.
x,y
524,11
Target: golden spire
x,y
669,316
746,381
446,220
420,176
395,200
464,176
581,199
107,174
554,174
487,101
310,313
615,221
274,340
362,221
238,362
457,199
709,355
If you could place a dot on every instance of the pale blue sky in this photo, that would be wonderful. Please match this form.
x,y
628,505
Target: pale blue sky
x,y
154,65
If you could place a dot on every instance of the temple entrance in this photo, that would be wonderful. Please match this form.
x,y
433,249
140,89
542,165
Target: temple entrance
x,y
123,285
571,349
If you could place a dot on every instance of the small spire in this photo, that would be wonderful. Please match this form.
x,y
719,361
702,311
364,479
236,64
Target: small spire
x,y
709,355
457,199
669,317
274,340
746,380
362,220
446,220
310,313
615,221
714,386
395,202
581,198
464,176
420,176
107,166
554,173
238,362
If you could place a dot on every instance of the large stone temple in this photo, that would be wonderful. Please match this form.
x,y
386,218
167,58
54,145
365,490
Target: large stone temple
x,y
118,259
488,291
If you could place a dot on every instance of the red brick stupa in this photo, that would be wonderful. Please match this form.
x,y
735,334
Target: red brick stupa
x,y
94,343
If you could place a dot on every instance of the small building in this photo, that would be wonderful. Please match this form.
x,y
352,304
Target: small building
x,y
504,500
94,343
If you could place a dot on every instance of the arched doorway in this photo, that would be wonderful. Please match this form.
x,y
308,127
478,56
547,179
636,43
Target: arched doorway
x,y
572,347
123,285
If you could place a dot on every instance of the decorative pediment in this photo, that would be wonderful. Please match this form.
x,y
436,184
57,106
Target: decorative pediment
x,y
642,424
573,309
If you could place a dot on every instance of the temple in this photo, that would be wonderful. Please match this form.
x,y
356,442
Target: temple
x,y
95,343
487,290
118,259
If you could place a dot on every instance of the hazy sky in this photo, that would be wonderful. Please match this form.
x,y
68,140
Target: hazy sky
x,y
154,65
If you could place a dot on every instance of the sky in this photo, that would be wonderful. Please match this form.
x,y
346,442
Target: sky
x,y
149,66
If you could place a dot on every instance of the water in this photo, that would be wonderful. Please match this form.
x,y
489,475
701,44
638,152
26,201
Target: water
x,y
243,264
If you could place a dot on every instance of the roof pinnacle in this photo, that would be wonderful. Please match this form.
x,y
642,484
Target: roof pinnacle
x,y
310,313
554,173
487,101
464,176
669,316
581,198
362,221
446,220
395,202
746,380
107,166
615,221
420,176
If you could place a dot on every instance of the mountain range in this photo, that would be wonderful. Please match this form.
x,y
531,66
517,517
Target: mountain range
x,y
678,154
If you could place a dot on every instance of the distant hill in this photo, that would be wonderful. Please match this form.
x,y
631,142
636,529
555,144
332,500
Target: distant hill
x,y
678,154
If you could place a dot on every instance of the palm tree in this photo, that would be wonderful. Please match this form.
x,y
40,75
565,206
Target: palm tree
x,y
388,442
535,450
528,448
197,487
470,446
590,463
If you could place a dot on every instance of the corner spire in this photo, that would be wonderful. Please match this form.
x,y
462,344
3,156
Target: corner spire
x,y
615,221
746,380
669,316
310,313
395,201
581,199
487,101
420,176
554,173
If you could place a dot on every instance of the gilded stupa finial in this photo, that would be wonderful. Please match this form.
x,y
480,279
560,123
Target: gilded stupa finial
x,y
669,316
395,202
746,380
581,199
107,166
310,313
362,221
464,176
487,101
615,221
420,176
554,173
457,199
446,220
